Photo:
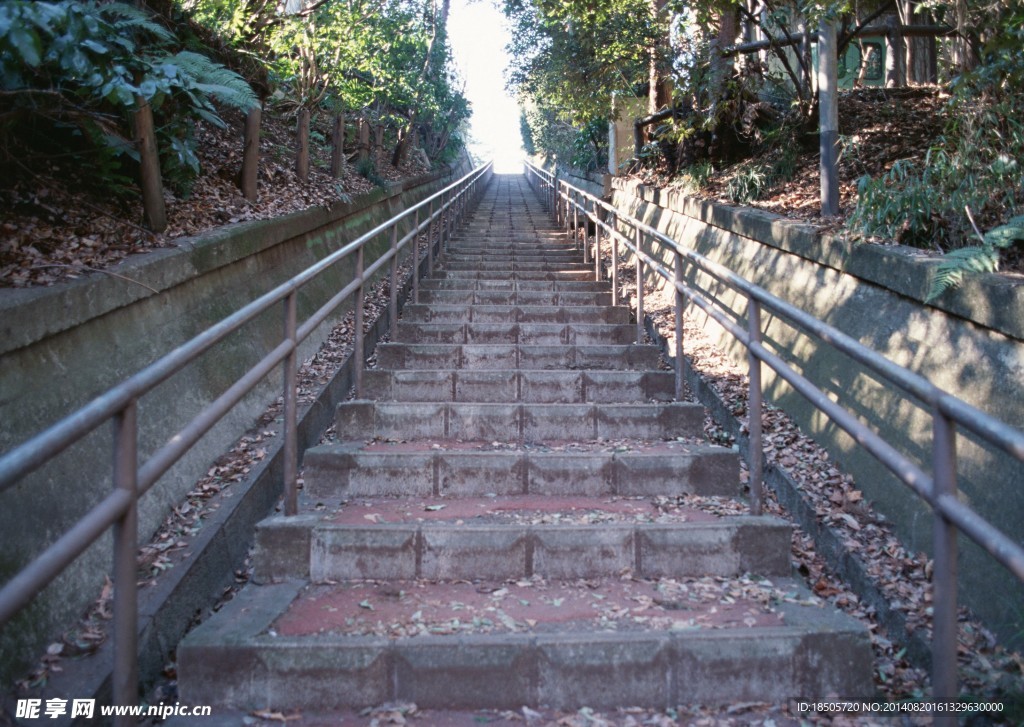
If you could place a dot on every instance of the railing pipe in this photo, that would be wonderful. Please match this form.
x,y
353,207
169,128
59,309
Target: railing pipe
x,y
431,230
575,227
165,457
33,453
1006,438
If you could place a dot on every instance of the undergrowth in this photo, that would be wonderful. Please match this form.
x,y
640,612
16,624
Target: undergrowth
x,y
970,181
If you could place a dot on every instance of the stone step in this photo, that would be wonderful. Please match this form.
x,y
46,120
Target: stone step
x,y
519,385
516,537
562,286
584,273
450,313
496,235
514,255
448,645
508,297
361,419
517,513
421,469
421,356
528,334
500,268
503,249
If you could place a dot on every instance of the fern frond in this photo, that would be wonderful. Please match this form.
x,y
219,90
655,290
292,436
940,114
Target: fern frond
x,y
130,18
215,80
1006,235
950,272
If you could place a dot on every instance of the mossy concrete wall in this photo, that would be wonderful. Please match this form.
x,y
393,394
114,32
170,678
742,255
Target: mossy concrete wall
x,y
969,342
62,346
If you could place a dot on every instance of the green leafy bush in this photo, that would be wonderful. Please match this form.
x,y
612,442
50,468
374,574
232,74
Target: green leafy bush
x,y
973,173
73,73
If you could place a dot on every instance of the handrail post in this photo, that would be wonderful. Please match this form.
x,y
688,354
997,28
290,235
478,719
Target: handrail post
x,y
615,258
358,356
754,407
679,305
125,677
559,205
431,227
639,288
575,221
597,245
944,596
565,211
586,231
416,254
290,412
554,193
393,282
446,215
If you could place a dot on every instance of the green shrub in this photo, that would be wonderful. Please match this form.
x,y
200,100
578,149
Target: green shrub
x,y
972,174
73,74
748,183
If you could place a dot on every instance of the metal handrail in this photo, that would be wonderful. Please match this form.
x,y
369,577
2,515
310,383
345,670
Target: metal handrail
x,y
938,489
437,215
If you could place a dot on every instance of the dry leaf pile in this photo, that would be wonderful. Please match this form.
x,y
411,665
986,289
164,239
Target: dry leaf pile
x,y
408,609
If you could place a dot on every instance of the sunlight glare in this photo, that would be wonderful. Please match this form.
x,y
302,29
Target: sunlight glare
x,y
477,33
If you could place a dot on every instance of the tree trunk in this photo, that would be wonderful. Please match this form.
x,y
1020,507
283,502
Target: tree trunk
x,y
964,55
251,155
895,73
440,27
659,71
338,146
153,209
728,29
364,141
804,49
302,156
921,50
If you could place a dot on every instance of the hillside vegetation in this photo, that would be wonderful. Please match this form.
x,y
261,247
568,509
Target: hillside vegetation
x,y
723,99
74,77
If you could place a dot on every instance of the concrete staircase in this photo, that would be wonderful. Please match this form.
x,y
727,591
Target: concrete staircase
x,y
518,513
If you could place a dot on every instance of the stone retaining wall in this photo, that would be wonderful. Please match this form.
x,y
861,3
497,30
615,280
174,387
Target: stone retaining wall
x,y
62,346
969,342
